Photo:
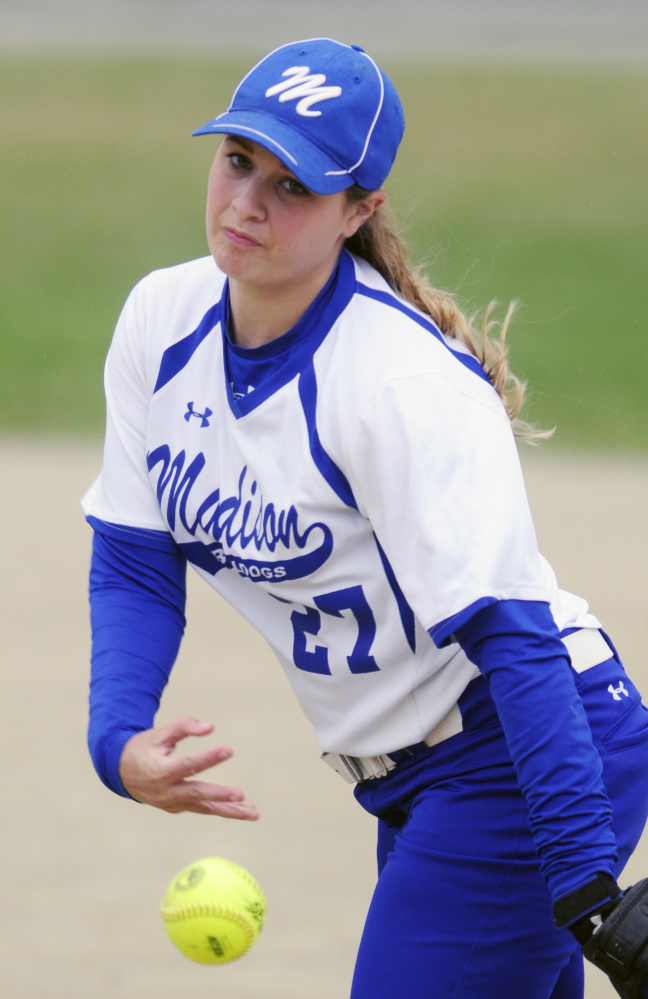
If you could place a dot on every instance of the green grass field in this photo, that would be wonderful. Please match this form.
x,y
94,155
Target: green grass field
x,y
511,184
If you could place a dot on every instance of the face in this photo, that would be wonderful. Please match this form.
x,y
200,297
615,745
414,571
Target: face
x,y
266,230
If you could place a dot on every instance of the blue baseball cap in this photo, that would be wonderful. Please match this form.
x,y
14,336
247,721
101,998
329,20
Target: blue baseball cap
x,y
325,109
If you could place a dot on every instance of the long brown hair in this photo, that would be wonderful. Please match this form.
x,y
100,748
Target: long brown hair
x,y
379,242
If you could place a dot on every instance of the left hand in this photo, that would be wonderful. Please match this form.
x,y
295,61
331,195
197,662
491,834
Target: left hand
x,y
613,936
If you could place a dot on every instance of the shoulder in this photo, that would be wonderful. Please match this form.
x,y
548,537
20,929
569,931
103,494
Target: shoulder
x,y
187,271
183,286
400,324
169,302
382,339
387,373
164,307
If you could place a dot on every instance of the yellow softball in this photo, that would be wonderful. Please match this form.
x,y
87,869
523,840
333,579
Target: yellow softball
x,y
213,911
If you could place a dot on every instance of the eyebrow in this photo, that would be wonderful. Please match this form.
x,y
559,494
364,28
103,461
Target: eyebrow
x,y
243,143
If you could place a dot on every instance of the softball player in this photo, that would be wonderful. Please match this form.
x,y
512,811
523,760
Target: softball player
x,y
323,438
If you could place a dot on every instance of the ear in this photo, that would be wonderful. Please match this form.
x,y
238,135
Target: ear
x,y
360,211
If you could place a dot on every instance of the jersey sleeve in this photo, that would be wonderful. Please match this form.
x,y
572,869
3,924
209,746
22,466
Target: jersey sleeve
x,y
434,466
122,493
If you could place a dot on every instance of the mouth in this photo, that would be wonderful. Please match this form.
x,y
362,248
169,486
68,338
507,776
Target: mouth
x,y
239,238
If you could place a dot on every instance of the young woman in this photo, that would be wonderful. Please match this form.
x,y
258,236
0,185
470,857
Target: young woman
x,y
331,446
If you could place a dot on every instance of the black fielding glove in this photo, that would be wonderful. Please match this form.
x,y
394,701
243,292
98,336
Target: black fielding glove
x,y
612,928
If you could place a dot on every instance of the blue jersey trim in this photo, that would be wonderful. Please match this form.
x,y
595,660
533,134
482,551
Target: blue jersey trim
x,y
406,613
178,355
334,476
299,343
443,632
158,540
386,298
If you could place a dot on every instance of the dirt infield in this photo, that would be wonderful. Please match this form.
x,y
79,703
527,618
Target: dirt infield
x,y
83,871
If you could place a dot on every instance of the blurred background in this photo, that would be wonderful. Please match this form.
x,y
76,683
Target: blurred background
x,y
522,176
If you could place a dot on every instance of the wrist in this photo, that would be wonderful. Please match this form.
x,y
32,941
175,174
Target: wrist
x,y
583,910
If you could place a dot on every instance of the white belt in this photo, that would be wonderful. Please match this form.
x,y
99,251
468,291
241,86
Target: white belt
x,y
356,768
586,648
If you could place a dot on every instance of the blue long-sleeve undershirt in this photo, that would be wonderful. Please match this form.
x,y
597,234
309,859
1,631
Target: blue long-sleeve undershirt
x,y
516,645
137,603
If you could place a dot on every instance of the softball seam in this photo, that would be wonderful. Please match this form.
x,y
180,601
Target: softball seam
x,y
194,911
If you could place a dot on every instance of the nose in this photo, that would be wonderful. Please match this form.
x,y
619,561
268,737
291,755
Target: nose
x,y
250,201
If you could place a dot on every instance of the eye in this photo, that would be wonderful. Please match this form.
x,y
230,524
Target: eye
x,y
293,187
239,161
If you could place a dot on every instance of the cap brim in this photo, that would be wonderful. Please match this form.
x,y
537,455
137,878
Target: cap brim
x,y
313,168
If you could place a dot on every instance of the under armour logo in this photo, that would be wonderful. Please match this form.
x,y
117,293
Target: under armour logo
x,y
617,691
203,417
304,87
240,393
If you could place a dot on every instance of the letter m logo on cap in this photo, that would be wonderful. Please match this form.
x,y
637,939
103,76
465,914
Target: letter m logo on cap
x,y
305,88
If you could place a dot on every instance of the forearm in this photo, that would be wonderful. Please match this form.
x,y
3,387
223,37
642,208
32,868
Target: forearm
x,y
516,645
137,615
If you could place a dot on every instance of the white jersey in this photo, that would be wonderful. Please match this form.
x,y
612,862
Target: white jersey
x,y
365,497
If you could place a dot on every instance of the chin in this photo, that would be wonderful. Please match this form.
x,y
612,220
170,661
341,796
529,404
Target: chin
x,y
224,259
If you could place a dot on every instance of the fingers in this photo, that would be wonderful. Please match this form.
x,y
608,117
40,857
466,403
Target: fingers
x,y
181,767
212,799
153,776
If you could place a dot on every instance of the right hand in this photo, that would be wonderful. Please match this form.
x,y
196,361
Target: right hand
x,y
153,776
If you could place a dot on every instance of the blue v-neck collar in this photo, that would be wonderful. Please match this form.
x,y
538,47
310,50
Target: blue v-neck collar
x,y
299,343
